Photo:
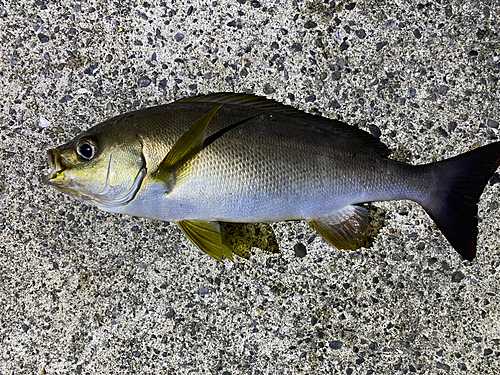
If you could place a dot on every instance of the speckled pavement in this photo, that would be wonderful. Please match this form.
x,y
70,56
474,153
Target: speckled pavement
x,y
86,292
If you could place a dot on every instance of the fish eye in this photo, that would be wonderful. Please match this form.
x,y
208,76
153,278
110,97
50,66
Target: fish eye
x,y
86,149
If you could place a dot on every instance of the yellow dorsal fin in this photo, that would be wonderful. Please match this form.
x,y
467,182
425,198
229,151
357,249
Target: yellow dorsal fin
x,y
187,146
207,236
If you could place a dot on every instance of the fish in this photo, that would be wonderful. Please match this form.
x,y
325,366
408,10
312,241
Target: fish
x,y
208,160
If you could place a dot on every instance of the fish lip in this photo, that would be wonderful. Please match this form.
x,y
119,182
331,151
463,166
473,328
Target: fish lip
x,y
56,165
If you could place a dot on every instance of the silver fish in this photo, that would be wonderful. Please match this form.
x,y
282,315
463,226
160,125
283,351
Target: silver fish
x,y
245,159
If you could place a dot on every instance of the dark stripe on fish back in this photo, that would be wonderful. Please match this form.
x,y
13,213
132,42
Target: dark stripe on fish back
x,y
209,140
365,140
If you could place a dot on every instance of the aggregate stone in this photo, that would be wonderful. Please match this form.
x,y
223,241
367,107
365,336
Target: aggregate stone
x,y
493,124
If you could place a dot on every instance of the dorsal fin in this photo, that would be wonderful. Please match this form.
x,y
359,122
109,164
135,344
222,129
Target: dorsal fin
x,y
272,107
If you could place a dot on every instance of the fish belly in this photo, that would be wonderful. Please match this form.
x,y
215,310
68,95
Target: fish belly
x,y
277,194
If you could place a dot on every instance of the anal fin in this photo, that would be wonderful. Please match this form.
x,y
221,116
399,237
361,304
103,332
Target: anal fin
x,y
345,229
208,237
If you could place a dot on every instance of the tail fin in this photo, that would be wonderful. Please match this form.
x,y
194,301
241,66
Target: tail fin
x,y
452,204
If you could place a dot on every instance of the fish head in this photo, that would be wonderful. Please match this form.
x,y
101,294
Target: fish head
x,y
104,168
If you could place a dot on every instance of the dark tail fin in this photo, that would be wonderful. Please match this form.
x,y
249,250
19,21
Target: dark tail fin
x,y
459,183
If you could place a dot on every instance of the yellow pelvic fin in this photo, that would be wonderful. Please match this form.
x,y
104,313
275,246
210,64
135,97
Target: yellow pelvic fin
x,y
208,237
344,230
187,146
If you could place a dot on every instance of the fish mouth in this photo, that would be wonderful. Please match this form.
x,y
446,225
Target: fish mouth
x,y
57,168
57,178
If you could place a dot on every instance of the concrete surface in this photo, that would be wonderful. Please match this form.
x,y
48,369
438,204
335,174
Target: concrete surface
x,y
85,292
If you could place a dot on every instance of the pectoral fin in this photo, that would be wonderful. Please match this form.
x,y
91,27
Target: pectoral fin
x,y
208,237
345,229
187,146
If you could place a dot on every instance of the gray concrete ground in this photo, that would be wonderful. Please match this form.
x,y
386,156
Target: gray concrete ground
x,y
86,292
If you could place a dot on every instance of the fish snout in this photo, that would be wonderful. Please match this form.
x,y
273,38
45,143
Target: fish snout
x,y
56,165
